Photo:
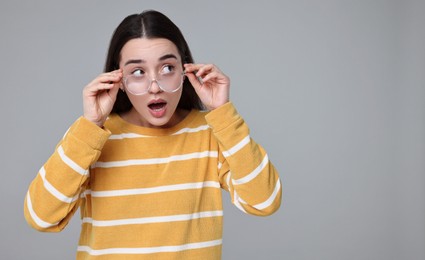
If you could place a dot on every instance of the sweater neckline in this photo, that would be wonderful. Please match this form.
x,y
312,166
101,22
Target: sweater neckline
x,y
132,128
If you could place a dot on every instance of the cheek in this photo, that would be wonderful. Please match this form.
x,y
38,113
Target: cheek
x,y
176,96
138,101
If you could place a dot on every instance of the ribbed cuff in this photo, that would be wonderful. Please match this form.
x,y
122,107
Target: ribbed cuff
x,y
222,117
89,133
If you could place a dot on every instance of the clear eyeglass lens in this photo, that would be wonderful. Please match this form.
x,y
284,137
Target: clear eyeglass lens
x,y
169,82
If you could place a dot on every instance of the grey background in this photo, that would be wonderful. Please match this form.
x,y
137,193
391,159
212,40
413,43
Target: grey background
x,y
334,90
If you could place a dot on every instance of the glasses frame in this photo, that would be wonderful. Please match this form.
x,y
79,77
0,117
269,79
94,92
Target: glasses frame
x,y
124,82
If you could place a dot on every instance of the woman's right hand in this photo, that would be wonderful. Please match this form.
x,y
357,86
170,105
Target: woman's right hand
x,y
99,96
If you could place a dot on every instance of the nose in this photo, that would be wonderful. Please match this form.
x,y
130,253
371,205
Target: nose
x,y
154,87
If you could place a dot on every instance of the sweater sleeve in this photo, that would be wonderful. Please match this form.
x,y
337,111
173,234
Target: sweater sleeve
x,y
54,195
245,170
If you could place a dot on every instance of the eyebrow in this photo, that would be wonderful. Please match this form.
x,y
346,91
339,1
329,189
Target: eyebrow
x,y
162,58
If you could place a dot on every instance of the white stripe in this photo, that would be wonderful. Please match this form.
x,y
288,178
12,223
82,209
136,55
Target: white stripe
x,y
157,160
134,135
41,223
237,147
70,162
270,200
126,135
65,133
192,130
185,186
57,194
150,220
219,165
228,179
236,201
253,174
150,250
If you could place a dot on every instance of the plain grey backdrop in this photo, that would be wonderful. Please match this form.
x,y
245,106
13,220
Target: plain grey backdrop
x,y
334,90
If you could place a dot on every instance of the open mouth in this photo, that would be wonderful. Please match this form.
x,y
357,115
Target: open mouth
x,y
157,105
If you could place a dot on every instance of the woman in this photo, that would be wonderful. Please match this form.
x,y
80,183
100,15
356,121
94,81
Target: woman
x,y
145,163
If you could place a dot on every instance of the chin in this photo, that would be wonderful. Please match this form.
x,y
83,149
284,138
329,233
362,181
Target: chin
x,y
162,122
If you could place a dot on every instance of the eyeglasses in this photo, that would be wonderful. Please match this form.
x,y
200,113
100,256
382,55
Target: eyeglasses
x,y
169,79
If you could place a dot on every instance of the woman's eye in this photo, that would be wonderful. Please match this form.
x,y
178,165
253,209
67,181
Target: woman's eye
x,y
138,73
167,69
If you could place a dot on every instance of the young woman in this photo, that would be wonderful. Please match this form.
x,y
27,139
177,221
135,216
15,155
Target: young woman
x,y
146,161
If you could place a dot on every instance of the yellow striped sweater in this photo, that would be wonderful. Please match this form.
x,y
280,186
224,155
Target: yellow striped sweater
x,y
148,193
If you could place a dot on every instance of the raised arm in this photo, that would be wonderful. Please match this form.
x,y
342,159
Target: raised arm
x,y
245,169
53,196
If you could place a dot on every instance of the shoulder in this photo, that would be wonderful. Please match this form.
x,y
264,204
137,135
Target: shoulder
x,y
198,117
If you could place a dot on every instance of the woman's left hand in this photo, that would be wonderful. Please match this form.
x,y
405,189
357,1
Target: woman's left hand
x,y
213,89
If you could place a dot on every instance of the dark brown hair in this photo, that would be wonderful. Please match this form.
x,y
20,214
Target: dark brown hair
x,y
150,24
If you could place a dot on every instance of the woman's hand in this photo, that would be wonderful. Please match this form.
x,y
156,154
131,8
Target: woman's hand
x,y
213,89
99,96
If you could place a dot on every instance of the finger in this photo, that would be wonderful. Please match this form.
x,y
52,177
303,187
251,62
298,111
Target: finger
x,y
113,91
194,81
93,89
211,76
204,70
194,73
190,67
113,76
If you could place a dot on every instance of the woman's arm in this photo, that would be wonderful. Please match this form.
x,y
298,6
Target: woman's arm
x,y
245,170
53,196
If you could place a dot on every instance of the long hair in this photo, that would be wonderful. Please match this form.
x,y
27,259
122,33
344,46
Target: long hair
x,y
150,25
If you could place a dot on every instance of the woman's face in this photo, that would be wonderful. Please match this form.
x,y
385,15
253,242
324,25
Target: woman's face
x,y
149,60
